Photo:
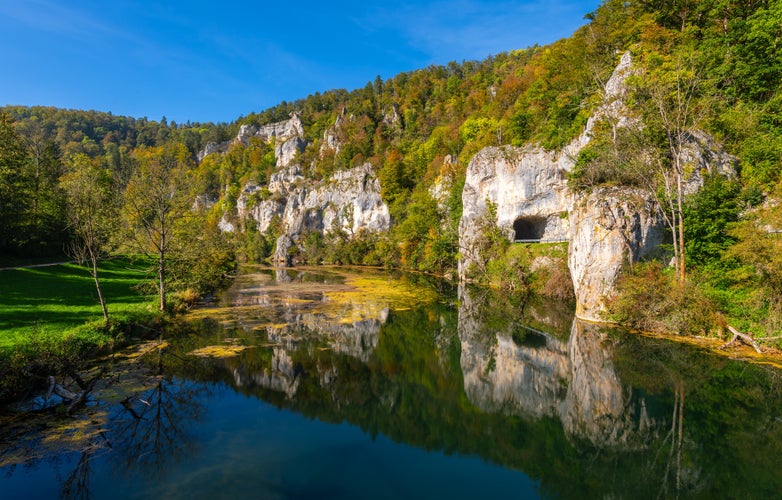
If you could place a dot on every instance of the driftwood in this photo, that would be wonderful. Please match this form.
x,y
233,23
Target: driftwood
x,y
70,398
741,337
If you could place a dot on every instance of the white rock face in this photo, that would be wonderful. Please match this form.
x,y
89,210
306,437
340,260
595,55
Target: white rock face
x,y
391,117
331,135
611,227
225,225
350,201
211,147
288,136
606,228
286,152
530,183
524,183
280,131
703,156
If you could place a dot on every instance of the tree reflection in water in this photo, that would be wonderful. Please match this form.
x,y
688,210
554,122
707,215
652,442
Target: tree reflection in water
x,y
152,429
583,411
142,435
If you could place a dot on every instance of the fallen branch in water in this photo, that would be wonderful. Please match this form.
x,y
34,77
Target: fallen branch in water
x,y
741,337
72,399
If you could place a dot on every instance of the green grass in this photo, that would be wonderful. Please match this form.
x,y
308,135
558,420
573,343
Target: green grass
x,y
54,301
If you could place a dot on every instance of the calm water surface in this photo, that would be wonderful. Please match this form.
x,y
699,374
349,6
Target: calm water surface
x,y
331,383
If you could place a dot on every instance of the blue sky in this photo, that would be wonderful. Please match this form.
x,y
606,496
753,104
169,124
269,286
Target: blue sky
x,y
215,61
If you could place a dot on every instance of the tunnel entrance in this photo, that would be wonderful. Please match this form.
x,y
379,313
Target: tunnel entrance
x,y
529,228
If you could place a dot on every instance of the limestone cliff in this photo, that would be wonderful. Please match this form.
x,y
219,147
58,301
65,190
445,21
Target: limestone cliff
x,y
606,228
529,188
612,227
350,201
529,185
287,135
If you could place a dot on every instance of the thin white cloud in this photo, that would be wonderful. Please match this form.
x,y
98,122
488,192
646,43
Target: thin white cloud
x,y
53,17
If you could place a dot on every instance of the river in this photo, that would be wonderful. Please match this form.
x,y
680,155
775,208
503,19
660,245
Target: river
x,y
340,383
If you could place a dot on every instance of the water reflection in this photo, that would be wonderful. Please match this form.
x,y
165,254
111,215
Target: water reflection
x,y
297,304
581,410
515,368
152,428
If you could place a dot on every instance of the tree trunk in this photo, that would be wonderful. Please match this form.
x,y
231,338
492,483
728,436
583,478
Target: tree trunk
x,y
162,275
680,193
100,292
741,337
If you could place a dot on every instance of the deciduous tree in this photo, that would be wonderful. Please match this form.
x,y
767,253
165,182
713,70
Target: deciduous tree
x,y
155,199
670,92
91,215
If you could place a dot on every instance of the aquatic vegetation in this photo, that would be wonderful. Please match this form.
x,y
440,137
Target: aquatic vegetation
x,y
218,351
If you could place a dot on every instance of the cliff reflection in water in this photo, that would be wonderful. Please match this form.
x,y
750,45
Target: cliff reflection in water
x,y
516,368
525,387
574,410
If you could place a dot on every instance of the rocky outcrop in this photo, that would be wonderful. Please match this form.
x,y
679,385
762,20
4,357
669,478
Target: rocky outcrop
x,y
607,228
350,201
279,131
611,228
288,136
528,187
331,135
286,151
391,118
703,157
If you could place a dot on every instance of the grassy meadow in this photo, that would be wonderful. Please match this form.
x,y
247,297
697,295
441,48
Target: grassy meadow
x,y
57,301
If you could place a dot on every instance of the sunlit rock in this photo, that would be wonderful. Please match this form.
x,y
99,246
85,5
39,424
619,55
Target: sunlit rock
x,y
528,185
612,228
606,228
280,132
529,189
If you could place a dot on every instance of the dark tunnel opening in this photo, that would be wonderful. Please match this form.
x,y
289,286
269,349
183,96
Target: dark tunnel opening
x,y
529,228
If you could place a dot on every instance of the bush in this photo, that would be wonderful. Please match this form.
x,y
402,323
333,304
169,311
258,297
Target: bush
x,y
649,299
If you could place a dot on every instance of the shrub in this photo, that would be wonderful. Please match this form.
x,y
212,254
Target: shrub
x,y
649,299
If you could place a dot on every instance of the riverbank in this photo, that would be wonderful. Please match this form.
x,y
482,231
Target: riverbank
x,y
737,351
51,321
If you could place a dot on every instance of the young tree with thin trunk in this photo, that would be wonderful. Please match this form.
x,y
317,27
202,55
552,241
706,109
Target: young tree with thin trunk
x,y
91,215
671,88
155,199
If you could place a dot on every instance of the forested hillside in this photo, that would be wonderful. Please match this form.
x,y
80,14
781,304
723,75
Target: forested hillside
x,y
713,65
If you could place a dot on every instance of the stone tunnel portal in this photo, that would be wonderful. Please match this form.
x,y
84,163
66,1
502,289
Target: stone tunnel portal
x,y
529,228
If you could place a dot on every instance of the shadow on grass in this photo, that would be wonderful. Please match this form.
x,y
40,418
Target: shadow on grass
x,y
64,296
